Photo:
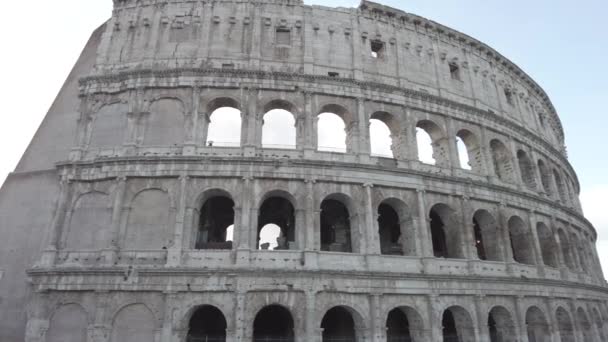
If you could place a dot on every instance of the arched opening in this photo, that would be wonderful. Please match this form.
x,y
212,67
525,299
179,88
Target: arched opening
x,y
207,324
404,324
487,239
383,129
338,325
216,220
224,128
279,129
501,157
425,147
599,324
331,133
561,188
545,177
566,250
273,323
500,325
390,230
444,232
520,241
432,144
457,325
335,226
469,150
526,168
564,325
276,212
537,326
548,246
580,253
585,325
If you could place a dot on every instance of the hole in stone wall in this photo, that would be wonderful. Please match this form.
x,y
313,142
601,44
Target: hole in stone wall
x,y
398,327
454,71
335,227
425,147
216,217
338,325
224,128
207,324
463,154
390,230
380,139
377,49
276,224
278,130
273,323
331,131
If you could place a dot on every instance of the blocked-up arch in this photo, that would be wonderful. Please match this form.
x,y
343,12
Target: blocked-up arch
x,y
564,325
537,326
548,246
165,123
342,323
224,128
90,223
396,229
384,127
405,324
580,252
278,209
68,324
469,151
445,235
503,163
438,143
149,221
487,237
526,168
207,323
109,125
584,324
273,323
521,243
545,177
566,249
500,325
457,325
134,322
337,224
561,187
279,125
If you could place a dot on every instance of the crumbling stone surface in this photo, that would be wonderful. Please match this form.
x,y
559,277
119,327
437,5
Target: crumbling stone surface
x,y
115,222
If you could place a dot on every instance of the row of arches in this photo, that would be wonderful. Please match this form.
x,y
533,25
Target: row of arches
x,y
336,129
343,323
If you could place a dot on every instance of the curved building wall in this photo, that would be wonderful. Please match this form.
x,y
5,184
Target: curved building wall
x,y
133,241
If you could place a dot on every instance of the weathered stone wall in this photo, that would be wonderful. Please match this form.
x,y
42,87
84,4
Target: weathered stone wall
x,y
121,168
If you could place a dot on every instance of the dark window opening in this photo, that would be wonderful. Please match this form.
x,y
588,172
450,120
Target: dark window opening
x,y
389,230
283,36
333,74
494,335
277,212
207,324
450,333
377,49
335,227
398,327
481,251
338,326
509,97
216,222
273,323
454,71
440,247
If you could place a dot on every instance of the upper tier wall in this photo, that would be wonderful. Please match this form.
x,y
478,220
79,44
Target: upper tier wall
x,y
287,36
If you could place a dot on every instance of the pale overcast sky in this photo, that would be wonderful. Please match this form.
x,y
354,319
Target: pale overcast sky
x,y
561,44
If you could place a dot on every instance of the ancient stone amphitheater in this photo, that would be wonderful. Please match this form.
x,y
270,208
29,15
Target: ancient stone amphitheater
x,y
126,221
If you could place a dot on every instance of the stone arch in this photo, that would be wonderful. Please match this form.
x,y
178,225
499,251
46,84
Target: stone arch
x,y
404,323
566,249
384,145
561,187
521,243
222,102
578,249
214,214
501,325
339,224
545,177
445,234
526,168
439,142
537,326
149,223
277,207
501,157
599,324
403,227
224,118
342,322
134,322
565,326
472,147
274,323
90,222
584,324
207,323
487,236
109,126
457,325
324,129
68,323
279,125
548,246
165,124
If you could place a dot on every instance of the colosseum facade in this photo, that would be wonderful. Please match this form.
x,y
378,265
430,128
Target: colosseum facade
x,y
117,217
